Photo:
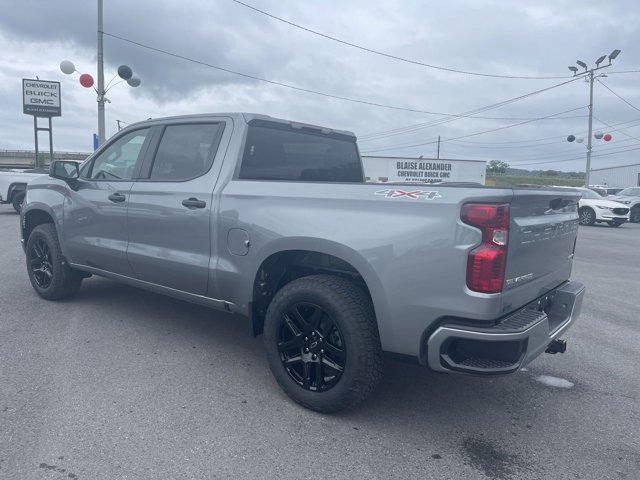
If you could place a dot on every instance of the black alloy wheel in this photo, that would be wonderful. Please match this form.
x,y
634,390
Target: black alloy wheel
x,y
40,263
311,346
322,342
50,276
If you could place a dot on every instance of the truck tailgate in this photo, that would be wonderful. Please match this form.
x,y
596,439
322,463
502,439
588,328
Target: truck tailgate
x,y
544,225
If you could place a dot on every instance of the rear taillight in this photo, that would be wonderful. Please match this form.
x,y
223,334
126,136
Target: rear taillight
x,y
486,263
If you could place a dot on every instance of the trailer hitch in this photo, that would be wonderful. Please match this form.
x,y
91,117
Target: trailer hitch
x,y
557,346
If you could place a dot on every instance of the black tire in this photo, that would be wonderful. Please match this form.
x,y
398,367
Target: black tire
x,y
634,215
614,224
17,200
587,216
49,274
346,308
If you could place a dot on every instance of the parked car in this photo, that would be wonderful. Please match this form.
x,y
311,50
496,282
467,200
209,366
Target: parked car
x,y
272,220
596,209
13,184
599,190
631,198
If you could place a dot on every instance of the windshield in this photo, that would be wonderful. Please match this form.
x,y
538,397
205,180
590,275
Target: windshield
x,y
590,194
630,192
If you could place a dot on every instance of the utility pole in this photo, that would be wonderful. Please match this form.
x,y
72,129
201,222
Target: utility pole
x,y
101,92
438,155
588,169
590,77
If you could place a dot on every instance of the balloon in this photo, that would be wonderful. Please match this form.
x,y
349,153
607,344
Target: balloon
x,y
134,82
607,137
86,80
579,140
125,72
598,135
571,138
67,67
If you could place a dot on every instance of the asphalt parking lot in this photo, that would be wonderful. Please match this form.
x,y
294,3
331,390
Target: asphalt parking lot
x,y
119,383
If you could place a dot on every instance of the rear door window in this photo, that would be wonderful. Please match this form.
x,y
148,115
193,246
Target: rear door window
x,y
287,154
185,151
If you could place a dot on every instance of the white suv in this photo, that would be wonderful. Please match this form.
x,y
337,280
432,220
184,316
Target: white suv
x,y
593,208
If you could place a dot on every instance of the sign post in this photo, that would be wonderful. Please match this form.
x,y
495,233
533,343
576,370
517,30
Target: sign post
x,y
41,98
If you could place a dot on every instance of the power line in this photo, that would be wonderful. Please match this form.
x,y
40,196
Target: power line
x,y
492,147
580,157
617,130
468,114
554,137
517,143
281,84
389,55
567,153
504,127
619,96
560,153
624,71
294,87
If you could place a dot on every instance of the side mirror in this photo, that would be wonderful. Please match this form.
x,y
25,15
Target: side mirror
x,y
64,170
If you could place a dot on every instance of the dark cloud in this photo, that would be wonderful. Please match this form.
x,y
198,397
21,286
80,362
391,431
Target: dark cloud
x,y
539,38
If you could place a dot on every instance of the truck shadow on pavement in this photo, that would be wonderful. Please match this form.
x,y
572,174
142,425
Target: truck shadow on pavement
x,y
478,418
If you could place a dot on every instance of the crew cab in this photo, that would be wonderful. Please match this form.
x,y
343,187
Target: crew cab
x,y
272,220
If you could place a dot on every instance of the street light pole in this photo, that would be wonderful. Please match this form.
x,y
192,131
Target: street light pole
x,y
588,170
101,92
590,77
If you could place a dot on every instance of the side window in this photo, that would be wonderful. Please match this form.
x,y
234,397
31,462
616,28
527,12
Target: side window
x,y
185,151
119,160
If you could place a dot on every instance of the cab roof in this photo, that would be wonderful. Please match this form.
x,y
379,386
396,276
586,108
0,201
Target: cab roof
x,y
240,117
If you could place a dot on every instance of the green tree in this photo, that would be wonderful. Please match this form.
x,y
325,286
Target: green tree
x,y
497,167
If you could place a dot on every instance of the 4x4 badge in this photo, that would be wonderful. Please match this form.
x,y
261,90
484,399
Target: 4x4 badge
x,y
414,194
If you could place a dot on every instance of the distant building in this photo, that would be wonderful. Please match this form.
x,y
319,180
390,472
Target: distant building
x,y
621,176
26,158
422,170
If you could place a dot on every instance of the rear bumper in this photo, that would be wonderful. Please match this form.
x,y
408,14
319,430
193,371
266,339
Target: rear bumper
x,y
512,342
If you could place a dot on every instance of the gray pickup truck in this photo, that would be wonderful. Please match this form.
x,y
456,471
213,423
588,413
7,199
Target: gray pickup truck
x,y
272,220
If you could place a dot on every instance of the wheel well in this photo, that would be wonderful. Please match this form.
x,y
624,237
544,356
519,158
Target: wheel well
x,y
15,188
283,267
32,219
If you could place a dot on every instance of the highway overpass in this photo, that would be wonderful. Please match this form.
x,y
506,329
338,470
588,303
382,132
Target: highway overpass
x,y
26,158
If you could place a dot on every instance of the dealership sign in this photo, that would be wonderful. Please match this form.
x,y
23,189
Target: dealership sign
x,y
424,171
41,98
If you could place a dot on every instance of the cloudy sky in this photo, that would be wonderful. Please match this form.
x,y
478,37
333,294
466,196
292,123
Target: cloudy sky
x,y
528,38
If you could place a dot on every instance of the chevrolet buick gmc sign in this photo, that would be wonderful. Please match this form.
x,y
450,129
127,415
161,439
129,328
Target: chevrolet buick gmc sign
x,y
41,98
